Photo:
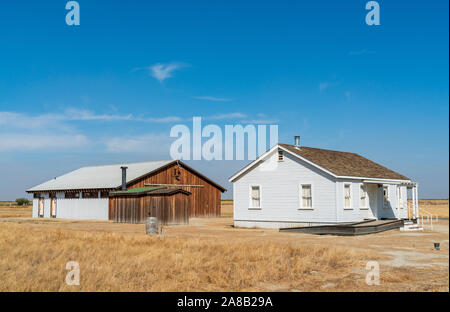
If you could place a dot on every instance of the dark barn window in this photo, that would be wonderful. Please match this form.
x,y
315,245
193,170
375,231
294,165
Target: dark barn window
x,y
72,195
90,194
104,194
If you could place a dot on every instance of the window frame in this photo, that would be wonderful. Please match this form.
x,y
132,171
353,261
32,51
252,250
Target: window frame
x,y
350,196
363,190
300,196
250,203
400,197
89,195
103,194
386,197
72,195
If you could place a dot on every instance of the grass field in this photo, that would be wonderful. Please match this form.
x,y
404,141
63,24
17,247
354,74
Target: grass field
x,y
210,255
437,207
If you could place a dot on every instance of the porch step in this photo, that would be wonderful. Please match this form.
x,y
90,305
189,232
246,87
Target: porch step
x,y
411,227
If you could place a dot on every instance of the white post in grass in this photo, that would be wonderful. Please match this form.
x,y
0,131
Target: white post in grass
x,y
417,199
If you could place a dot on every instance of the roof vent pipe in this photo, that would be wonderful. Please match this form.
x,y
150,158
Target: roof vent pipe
x,y
297,142
124,178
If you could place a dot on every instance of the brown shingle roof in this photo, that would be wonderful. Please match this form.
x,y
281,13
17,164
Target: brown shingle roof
x,y
345,164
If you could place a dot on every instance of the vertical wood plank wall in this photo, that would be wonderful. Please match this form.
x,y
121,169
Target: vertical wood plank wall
x,y
171,209
205,201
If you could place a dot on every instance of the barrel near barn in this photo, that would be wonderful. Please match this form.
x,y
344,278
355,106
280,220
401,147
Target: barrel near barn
x,y
170,206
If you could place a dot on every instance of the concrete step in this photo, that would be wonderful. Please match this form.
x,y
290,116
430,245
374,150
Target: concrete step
x,y
411,227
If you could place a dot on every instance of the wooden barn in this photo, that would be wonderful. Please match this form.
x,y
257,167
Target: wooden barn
x,y
170,206
90,192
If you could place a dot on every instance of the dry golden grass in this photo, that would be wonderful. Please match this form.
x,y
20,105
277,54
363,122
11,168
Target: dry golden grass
x,y
227,208
438,207
16,212
34,259
209,254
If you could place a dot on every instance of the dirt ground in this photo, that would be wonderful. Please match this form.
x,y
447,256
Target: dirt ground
x,y
407,260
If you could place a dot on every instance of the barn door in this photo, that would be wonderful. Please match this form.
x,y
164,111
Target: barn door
x,y
41,208
53,207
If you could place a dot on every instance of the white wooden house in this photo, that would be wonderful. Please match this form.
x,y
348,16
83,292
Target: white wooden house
x,y
293,185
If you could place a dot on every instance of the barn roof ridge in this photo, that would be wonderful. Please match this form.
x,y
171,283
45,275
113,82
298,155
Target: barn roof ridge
x,y
109,176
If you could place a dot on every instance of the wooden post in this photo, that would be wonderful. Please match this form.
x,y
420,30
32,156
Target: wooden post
x,y
417,199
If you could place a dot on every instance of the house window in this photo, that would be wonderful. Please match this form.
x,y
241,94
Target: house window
x,y
385,196
72,195
90,194
363,195
400,197
306,198
347,196
280,155
104,194
255,196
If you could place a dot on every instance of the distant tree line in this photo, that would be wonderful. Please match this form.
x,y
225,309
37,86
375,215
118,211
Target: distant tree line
x,y
22,202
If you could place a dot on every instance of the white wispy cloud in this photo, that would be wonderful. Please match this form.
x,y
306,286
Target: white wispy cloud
x,y
77,114
25,121
62,120
59,121
226,116
47,142
212,98
163,71
323,85
168,119
328,84
64,130
148,143
261,120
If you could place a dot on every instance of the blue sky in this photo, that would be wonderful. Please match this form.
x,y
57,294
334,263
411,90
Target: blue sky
x,y
110,90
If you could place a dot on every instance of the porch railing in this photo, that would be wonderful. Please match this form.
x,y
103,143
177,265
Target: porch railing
x,y
424,215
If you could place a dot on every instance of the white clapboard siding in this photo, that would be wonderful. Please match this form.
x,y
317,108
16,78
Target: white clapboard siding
x,y
82,209
35,207
280,181
280,194
353,213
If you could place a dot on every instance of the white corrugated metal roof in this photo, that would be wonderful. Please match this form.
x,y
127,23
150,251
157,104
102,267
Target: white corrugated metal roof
x,y
99,177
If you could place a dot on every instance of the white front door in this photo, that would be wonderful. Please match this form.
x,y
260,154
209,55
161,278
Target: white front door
x,y
373,192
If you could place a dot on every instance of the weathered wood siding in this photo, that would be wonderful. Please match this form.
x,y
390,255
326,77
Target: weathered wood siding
x,y
171,209
205,201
